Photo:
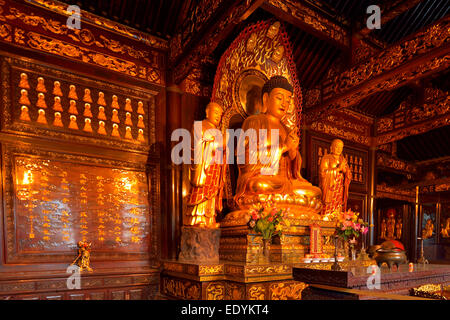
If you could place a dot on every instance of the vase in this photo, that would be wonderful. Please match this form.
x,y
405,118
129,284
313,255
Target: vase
x,y
353,252
265,256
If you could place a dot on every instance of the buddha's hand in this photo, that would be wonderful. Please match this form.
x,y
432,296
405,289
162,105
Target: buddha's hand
x,y
292,141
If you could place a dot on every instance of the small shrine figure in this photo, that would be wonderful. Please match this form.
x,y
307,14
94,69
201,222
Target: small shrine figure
x,y
41,101
24,115
87,96
383,229
445,231
128,106
101,113
57,122
73,107
115,116
207,177
427,232
115,102
73,92
140,107
141,135
40,87
41,118
273,29
115,130
24,97
73,122
398,229
128,119
334,179
128,133
57,105
24,81
84,256
57,89
87,125
87,110
140,122
101,99
391,224
101,128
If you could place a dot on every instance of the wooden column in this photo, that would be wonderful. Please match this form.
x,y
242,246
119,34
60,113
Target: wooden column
x,y
171,234
371,195
416,226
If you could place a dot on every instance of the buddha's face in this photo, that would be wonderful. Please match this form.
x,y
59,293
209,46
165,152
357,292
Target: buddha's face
x,y
214,114
273,30
278,54
57,84
277,102
336,147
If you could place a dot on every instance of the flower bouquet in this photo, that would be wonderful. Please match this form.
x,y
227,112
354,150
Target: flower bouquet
x,y
349,227
267,222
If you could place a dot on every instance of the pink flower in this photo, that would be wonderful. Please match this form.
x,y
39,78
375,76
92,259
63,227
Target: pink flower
x,y
343,228
347,223
356,226
364,230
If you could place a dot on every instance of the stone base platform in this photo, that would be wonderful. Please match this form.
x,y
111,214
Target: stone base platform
x,y
229,281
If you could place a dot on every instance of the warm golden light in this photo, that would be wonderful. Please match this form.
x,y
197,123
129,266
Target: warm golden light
x,y
27,177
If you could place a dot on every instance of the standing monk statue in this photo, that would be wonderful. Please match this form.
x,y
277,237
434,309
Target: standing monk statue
x,y
207,171
334,179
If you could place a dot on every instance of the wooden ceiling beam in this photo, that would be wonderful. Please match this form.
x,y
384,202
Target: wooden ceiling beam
x,y
201,35
416,57
310,20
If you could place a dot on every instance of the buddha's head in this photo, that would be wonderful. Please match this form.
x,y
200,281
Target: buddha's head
x,y
214,113
276,96
336,147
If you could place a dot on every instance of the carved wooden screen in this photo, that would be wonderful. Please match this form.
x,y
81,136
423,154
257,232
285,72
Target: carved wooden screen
x,y
75,166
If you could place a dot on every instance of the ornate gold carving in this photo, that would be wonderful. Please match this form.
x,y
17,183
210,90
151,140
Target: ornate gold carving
x,y
234,291
183,289
206,270
385,191
215,291
287,291
313,19
384,160
341,133
256,292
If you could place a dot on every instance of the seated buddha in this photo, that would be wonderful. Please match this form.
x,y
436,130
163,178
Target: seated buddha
x,y
274,173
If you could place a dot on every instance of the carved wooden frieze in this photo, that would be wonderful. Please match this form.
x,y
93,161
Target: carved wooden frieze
x,y
33,28
53,200
47,102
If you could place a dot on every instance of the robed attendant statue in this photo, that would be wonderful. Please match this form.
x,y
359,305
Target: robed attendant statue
x,y
207,172
334,179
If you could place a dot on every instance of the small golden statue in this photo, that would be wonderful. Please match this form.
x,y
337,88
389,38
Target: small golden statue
x,y
101,128
73,107
140,122
57,89
398,229
41,118
57,122
57,105
87,110
115,116
87,125
128,106
101,99
140,107
84,256
383,229
128,133
41,101
427,232
73,92
128,121
115,130
445,231
87,96
101,113
115,102
24,115
207,176
73,122
391,224
334,179
24,81
24,97
141,135
40,87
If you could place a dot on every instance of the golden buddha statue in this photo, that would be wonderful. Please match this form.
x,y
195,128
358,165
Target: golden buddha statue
x,y
383,229
445,231
427,232
275,173
207,176
334,179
